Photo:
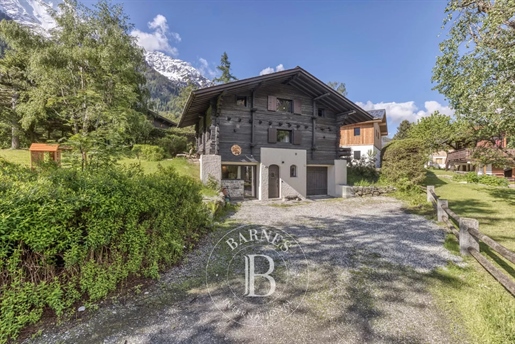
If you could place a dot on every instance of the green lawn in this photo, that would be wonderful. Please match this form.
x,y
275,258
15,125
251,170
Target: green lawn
x,y
182,165
19,156
470,294
494,207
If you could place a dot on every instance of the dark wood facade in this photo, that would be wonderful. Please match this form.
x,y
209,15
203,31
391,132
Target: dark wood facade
x,y
245,119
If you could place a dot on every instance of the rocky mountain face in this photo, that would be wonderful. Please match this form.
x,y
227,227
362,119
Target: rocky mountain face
x,y
34,13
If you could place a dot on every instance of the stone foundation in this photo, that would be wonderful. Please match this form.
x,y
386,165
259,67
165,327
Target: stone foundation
x,y
235,188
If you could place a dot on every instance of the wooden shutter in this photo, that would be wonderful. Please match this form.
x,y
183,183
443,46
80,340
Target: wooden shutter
x,y
272,103
297,106
272,135
297,137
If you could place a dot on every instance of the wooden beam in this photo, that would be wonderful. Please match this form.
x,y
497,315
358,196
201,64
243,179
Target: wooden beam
x,y
291,79
322,96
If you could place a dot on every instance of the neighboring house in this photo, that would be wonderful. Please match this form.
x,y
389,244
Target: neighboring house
x,y
438,160
460,160
272,136
365,139
159,121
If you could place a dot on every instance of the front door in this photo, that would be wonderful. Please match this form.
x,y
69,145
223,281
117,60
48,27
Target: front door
x,y
273,181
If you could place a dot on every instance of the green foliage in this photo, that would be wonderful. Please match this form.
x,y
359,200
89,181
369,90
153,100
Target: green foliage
x,y
484,179
438,132
148,152
225,68
173,144
70,235
475,71
403,163
403,130
363,171
338,87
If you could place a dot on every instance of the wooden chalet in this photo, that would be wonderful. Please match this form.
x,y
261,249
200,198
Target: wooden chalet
x,y
272,136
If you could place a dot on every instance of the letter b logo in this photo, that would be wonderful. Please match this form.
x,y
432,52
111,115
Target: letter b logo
x,y
250,275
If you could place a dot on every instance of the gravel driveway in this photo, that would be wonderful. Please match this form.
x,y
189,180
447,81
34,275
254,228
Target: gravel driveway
x,y
365,267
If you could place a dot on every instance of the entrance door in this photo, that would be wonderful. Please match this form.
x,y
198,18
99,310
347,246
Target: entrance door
x,y
273,181
316,181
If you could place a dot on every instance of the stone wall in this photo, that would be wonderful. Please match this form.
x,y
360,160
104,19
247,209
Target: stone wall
x,y
363,191
235,188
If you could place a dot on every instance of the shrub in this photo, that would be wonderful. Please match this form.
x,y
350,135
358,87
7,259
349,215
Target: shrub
x,y
485,179
148,152
173,144
403,163
70,235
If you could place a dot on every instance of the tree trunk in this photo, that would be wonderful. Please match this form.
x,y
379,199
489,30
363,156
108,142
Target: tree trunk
x,y
15,138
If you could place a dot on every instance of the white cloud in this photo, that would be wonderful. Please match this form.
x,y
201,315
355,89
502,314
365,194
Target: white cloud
x,y
205,69
158,39
397,112
269,70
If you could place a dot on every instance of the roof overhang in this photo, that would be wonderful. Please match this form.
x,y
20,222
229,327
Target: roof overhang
x,y
199,100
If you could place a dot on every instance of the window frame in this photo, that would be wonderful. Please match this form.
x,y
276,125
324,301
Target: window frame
x,y
290,101
290,135
242,98
293,171
358,154
358,130
321,112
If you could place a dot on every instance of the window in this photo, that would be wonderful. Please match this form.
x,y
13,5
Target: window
x,y
357,155
293,171
357,131
231,172
284,136
241,101
284,105
321,112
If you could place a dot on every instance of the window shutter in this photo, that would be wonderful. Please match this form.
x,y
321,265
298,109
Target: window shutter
x,y
272,135
297,137
297,106
272,103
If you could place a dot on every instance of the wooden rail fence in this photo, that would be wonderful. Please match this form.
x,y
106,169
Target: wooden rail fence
x,y
469,236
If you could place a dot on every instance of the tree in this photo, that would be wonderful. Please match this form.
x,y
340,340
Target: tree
x,y
476,70
338,87
439,132
178,103
403,130
403,163
89,74
225,68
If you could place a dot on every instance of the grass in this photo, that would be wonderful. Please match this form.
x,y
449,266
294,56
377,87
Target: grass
x,y
18,156
469,293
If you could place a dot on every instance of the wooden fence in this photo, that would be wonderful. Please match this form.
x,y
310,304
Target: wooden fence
x,y
468,234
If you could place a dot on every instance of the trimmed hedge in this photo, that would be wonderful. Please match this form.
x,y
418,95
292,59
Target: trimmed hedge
x,y
67,235
403,163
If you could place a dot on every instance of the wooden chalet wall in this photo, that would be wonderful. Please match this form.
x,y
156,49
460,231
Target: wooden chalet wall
x,y
370,135
249,126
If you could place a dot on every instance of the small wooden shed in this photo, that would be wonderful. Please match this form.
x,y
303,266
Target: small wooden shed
x,y
38,150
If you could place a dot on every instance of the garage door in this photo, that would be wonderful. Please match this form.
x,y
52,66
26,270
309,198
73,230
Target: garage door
x,y
317,181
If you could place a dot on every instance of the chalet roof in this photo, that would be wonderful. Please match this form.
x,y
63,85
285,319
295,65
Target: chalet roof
x,y
199,100
378,114
43,147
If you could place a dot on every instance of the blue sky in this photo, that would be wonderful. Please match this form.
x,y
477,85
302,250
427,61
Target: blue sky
x,y
384,51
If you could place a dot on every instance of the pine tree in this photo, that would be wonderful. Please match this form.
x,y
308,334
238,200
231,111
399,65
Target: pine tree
x,y
225,68
403,130
338,87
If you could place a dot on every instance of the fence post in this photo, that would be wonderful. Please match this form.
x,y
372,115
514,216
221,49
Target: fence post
x,y
440,213
429,195
466,240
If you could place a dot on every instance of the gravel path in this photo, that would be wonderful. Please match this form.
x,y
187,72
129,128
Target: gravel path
x,y
365,262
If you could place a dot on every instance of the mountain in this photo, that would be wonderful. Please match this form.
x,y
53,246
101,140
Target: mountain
x,y
34,13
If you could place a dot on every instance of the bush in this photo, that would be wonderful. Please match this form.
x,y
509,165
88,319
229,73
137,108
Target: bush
x,y
148,152
173,144
485,179
70,235
403,163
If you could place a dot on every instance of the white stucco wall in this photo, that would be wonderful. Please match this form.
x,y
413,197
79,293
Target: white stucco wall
x,y
336,176
364,149
210,165
284,158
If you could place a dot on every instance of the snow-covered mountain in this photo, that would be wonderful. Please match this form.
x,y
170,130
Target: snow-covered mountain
x,y
178,71
34,13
